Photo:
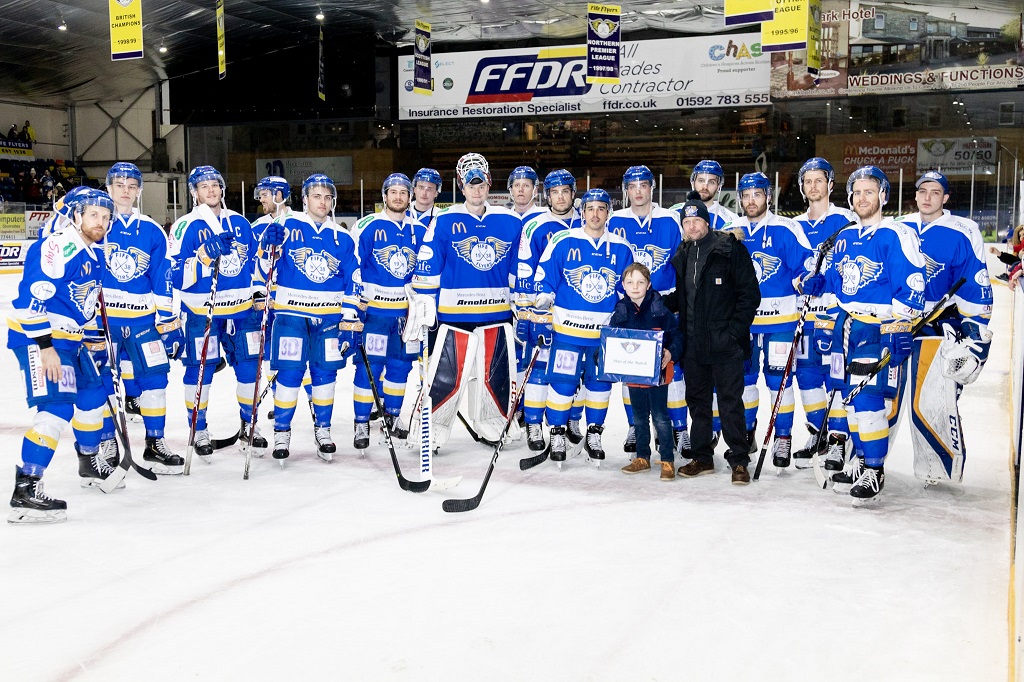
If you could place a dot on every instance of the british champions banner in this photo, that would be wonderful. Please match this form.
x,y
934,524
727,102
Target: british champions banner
x,y
675,73
603,43
125,29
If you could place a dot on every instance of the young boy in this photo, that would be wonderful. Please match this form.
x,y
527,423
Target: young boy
x,y
643,309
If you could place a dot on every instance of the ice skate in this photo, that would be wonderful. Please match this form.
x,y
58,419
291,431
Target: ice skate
x,y
203,446
868,486
394,423
325,446
110,451
557,445
843,481
780,451
752,439
29,504
282,439
593,444
160,458
131,406
258,441
361,439
535,437
573,432
93,468
682,443
835,457
804,457
630,443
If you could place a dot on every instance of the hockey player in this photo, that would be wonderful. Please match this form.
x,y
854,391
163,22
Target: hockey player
x,y
426,185
780,253
464,273
654,234
707,179
820,221
388,242
213,239
522,187
54,309
316,322
533,326
877,278
580,279
144,329
952,349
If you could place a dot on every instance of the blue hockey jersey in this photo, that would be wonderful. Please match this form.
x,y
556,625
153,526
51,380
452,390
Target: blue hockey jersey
x,y
585,275
816,232
58,292
137,283
781,254
317,272
422,218
877,272
387,257
467,263
952,248
192,279
654,240
536,235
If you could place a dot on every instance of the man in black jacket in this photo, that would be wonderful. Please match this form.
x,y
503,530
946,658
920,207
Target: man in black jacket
x,y
716,295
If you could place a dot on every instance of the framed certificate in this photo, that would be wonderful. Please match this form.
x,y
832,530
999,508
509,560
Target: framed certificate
x,y
632,356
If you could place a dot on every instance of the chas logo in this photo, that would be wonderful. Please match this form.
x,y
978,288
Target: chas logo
x,y
520,78
734,50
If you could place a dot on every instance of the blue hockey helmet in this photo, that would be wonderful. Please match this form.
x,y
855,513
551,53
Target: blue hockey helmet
x,y
93,197
869,173
816,164
558,178
933,176
427,175
596,195
522,173
755,181
203,173
318,180
274,184
707,167
66,204
396,180
123,169
637,174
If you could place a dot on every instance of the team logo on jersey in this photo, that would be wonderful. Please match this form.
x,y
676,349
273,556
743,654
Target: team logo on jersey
x,y
765,265
126,264
651,256
857,273
231,262
317,267
85,296
932,267
482,255
593,285
397,261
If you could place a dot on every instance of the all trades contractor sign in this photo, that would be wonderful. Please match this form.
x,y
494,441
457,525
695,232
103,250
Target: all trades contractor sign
x,y
676,73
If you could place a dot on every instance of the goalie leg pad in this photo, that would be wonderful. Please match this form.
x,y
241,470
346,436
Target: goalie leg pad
x,y
449,372
939,450
492,396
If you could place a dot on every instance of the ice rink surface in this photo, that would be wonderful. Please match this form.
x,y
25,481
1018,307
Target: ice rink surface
x,y
330,571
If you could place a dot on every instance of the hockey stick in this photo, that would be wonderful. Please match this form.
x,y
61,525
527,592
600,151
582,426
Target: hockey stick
x,y
820,476
403,482
259,362
457,505
798,335
872,370
120,423
202,368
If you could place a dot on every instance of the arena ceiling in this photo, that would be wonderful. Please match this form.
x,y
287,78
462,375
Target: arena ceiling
x,y
43,65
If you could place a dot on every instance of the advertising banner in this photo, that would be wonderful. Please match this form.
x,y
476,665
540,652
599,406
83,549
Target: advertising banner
x,y
12,256
880,49
33,221
958,155
125,29
603,43
748,11
674,73
421,81
337,168
12,225
890,153
11,149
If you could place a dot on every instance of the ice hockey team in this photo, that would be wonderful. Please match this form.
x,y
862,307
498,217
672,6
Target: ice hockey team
x,y
502,310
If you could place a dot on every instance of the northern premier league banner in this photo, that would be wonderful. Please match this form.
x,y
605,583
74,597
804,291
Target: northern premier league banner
x,y
603,43
675,73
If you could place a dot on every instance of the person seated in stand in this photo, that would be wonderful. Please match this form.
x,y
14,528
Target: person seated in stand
x,y
643,309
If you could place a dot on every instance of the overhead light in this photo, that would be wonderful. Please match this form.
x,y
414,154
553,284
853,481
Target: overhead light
x,y
319,14
484,2
163,48
62,26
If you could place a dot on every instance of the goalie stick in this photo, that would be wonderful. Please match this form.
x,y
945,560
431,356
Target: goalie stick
x,y
457,505
798,334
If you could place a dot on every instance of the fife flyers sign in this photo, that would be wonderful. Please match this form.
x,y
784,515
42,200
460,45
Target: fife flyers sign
x,y
675,73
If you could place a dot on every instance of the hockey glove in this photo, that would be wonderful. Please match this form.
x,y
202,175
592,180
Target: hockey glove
x,y
522,327
422,313
544,301
350,335
823,334
259,301
811,285
898,339
172,335
96,345
214,247
274,235
963,359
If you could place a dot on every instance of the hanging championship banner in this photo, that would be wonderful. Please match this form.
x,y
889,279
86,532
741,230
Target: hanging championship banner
x,y
320,88
222,60
748,11
603,38
788,30
422,84
814,38
125,29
